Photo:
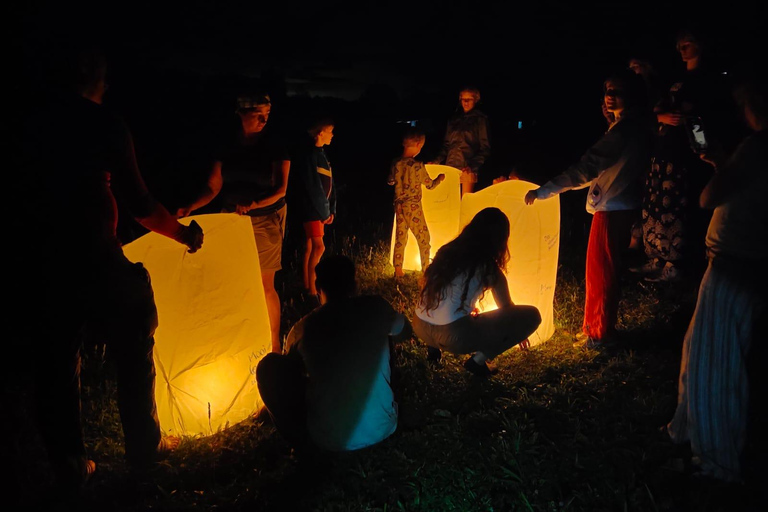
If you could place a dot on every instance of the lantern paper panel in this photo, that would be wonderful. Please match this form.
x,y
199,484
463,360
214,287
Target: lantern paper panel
x,y
213,324
441,207
534,242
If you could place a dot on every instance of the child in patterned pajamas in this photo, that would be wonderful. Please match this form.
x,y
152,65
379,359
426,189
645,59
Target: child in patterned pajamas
x,y
407,175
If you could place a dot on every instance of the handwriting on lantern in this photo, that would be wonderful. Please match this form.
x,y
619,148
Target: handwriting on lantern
x,y
551,240
253,361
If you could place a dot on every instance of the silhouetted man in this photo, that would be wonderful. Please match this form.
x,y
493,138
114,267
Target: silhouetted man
x,y
78,161
332,389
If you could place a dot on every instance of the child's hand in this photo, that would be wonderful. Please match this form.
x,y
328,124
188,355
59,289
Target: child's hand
x,y
329,220
670,118
530,197
440,178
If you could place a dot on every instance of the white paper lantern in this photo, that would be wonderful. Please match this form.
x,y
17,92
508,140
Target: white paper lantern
x,y
534,244
534,239
213,324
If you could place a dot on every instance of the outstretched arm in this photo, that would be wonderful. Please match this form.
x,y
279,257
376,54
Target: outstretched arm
x,y
426,180
212,189
602,155
129,187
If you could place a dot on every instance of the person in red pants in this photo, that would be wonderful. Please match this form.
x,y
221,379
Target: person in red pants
x,y
612,169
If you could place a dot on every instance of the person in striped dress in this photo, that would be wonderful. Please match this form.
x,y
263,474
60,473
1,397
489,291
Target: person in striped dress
x,y
714,385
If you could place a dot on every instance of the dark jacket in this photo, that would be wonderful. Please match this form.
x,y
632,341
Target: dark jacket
x,y
466,141
305,188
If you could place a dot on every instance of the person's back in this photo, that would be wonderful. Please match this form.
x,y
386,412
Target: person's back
x,y
407,176
75,278
737,224
345,348
70,143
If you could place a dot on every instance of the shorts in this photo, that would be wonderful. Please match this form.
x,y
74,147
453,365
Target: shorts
x,y
314,229
468,177
268,230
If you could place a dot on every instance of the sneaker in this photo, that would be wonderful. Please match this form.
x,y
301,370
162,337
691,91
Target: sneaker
x,y
652,266
434,355
591,343
668,274
480,370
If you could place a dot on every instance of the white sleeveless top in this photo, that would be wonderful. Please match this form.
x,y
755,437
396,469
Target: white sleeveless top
x,y
450,308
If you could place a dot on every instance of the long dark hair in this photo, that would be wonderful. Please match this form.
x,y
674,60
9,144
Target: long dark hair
x,y
480,249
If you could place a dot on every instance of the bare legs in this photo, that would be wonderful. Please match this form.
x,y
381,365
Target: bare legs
x,y
313,252
273,307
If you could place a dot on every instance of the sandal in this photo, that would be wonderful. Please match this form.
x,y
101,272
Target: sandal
x,y
481,370
88,469
434,354
166,446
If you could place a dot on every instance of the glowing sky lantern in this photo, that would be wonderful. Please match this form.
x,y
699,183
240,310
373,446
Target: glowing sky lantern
x,y
441,210
534,242
214,326
534,239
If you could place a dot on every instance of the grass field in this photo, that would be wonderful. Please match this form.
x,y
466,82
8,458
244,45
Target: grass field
x,y
558,429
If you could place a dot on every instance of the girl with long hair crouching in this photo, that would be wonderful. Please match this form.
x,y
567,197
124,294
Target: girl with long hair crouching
x,y
462,271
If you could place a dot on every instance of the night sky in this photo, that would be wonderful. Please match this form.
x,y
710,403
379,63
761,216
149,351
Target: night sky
x,y
341,47
175,68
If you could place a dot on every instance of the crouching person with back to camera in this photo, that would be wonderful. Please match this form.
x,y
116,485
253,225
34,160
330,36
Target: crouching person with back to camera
x,y
332,388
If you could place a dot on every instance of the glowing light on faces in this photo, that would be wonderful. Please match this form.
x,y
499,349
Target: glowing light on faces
x,y
468,101
324,137
255,119
614,97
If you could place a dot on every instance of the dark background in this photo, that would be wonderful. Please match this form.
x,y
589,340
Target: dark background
x,y
176,68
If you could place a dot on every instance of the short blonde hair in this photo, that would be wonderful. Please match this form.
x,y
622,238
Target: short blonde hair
x,y
473,91
319,125
413,137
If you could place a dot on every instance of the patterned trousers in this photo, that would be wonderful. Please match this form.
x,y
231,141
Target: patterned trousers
x,y
410,216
